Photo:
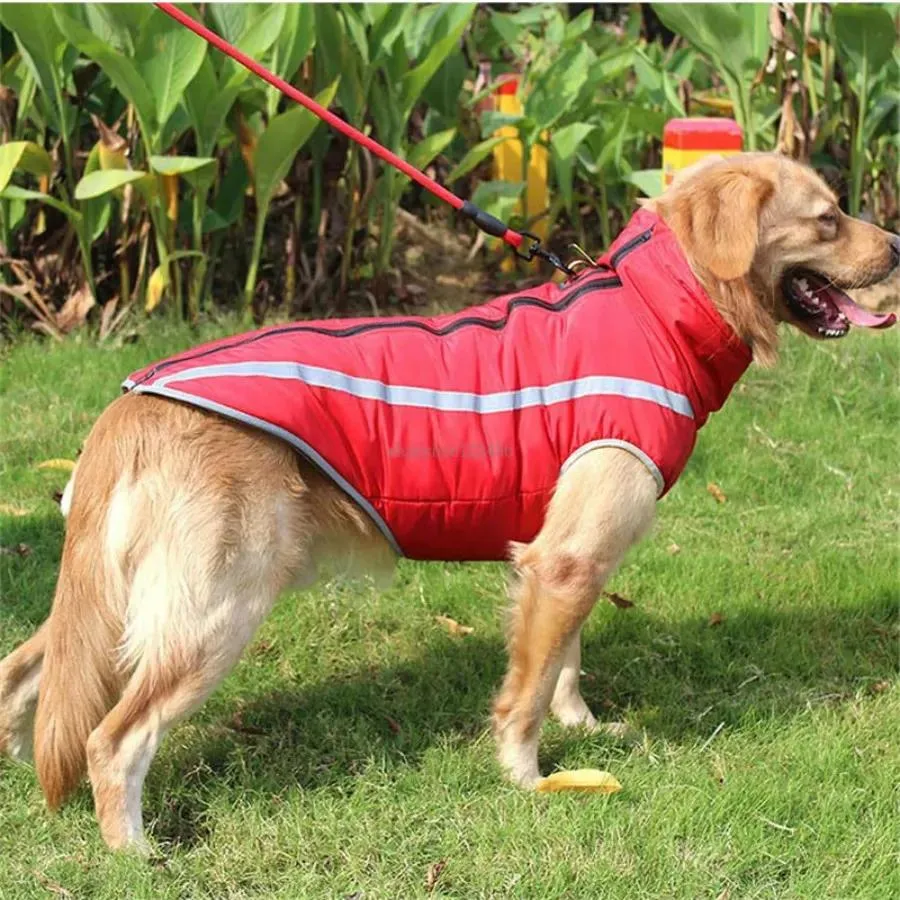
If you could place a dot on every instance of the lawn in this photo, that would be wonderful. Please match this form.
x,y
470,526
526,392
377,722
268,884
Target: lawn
x,y
349,752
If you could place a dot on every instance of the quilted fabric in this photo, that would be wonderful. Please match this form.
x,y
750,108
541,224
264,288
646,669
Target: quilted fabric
x,y
451,431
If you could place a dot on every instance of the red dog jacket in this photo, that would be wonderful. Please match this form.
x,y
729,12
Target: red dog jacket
x,y
452,431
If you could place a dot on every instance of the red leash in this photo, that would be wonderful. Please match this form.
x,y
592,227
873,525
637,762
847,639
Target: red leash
x,y
486,222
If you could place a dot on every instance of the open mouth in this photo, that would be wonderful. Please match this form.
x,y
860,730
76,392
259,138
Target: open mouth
x,y
821,307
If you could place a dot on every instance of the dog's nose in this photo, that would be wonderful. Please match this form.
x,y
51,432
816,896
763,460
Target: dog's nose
x,y
895,251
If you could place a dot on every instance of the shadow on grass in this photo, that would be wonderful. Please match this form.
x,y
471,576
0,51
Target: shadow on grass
x,y
677,681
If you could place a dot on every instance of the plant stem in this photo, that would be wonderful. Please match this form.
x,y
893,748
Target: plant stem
x,y
250,284
604,217
388,217
352,189
198,270
858,148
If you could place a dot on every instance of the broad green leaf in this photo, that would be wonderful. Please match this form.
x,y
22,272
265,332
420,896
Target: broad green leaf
x,y
555,30
262,33
672,95
387,29
650,181
209,97
104,181
509,30
229,199
422,25
611,65
422,153
180,165
169,61
356,28
883,117
565,141
734,37
280,143
230,19
442,94
118,68
474,157
43,47
866,36
129,18
97,211
207,104
295,42
556,90
97,217
335,60
447,35
107,27
13,192
26,156
579,25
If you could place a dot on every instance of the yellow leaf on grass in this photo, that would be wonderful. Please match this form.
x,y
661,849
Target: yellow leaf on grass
x,y
155,287
453,626
63,465
587,780
716,492
7,509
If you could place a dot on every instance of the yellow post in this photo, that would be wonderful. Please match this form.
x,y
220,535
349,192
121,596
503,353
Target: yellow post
x,y
508,164
687,141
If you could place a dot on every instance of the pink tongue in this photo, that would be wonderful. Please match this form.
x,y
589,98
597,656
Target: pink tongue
x,y
859,316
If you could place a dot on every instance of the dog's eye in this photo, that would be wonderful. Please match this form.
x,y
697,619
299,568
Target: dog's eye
x,y
829,219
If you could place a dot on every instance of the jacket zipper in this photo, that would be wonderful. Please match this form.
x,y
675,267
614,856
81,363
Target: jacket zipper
x,y
626,248
609,281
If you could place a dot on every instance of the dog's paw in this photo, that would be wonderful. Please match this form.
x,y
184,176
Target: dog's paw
x,y
573,712
518,759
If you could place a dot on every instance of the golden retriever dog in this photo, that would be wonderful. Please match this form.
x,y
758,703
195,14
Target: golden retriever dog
x,y
184,527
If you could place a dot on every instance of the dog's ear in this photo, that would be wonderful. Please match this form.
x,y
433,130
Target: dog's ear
x,y
716,218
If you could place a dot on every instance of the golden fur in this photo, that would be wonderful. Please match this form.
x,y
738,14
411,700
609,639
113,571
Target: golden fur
x,y
184,527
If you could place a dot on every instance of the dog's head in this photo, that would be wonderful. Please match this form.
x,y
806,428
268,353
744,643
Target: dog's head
x,y
768,241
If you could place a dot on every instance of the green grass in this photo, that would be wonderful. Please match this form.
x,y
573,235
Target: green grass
x,y
349,750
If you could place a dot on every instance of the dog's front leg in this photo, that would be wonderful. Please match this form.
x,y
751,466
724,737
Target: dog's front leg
x,y
567,704
602,505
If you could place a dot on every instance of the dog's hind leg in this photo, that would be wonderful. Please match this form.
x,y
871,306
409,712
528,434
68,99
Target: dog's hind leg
x,y
159,695
602,505
192,609
20,676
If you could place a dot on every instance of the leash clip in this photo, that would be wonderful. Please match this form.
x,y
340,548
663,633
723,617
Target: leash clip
x,y
537,250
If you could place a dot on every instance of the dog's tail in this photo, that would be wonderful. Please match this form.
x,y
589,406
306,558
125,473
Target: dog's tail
x,y
80,681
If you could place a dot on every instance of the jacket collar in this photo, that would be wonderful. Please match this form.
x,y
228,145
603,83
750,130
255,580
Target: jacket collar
x,y
648,259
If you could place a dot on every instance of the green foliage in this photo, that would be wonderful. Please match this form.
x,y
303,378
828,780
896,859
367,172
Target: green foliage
x,y
172,160
274,154
867,41
735,38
